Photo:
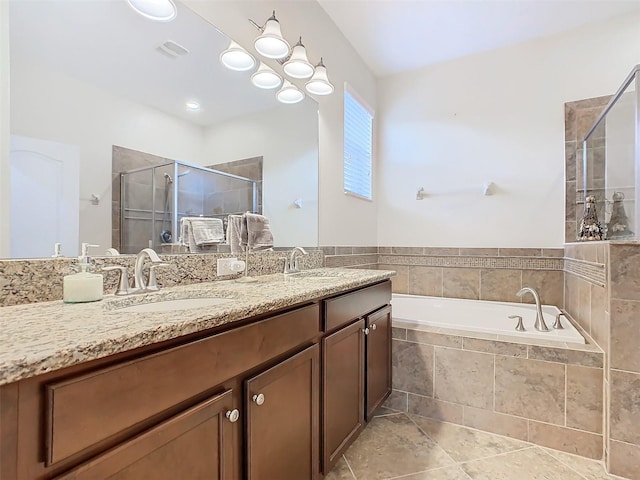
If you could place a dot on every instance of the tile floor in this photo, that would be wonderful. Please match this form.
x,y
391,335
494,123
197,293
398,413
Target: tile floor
x,y
399,446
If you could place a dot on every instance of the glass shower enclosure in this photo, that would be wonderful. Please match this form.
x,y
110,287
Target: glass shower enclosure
x,y
155,198
611,163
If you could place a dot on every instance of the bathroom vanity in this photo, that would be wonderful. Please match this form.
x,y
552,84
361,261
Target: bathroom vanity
x,y
273,385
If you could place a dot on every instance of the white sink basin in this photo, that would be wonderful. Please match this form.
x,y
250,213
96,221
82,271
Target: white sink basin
x,y
174,305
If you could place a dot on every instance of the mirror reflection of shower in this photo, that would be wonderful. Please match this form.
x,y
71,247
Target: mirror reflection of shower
x,y
155,198
166,236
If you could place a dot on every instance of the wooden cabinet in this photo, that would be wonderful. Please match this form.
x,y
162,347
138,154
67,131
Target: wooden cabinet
x,y
356,376
276,397
378,367
283,412
343,390
166,452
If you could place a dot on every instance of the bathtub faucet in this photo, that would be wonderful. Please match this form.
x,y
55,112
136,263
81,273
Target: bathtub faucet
x,y
539,325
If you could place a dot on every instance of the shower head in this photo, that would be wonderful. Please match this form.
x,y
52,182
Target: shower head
x,y
168,178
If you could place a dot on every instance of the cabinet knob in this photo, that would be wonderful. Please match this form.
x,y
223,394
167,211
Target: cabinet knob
x,y
366,331
258,399
233,415
374,326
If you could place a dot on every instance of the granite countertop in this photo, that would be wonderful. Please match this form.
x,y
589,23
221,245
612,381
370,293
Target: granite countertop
x,y
42,337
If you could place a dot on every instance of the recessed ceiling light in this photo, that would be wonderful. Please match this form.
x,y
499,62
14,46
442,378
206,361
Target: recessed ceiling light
x,y
157,10
193,106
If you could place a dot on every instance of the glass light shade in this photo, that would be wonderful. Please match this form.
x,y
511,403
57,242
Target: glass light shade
x,y
289,93
319,83
237,58
266,78
298,65
158,10
271,44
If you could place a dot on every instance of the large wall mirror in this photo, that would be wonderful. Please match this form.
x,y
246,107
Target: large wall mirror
x,y
94,81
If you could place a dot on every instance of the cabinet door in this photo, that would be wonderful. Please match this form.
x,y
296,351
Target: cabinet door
x,y
378,366
197,443
283,410
343,391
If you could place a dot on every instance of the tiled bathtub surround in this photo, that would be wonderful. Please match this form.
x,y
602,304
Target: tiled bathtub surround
x,y
611,315
550,396
622,318
475,273
40,280
354,257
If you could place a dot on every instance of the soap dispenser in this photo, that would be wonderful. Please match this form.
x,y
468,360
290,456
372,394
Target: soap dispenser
x,y
83,286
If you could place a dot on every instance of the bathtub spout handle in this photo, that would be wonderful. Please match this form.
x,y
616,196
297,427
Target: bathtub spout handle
x,y
539,325
519,326
558,324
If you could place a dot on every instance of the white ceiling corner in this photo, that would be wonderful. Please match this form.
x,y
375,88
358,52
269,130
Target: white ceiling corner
x,y
394,36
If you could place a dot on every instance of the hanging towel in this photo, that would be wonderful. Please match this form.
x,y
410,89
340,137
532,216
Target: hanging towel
x,y
186,236
207,231
234,227
196,232
259,236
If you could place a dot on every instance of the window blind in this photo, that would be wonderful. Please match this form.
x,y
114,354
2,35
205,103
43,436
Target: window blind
x,y
358,135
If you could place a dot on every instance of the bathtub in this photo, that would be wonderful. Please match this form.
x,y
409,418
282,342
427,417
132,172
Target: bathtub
x,y
481,316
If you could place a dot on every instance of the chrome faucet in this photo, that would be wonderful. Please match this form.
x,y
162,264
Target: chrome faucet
x,y
539,325
291,265
139,283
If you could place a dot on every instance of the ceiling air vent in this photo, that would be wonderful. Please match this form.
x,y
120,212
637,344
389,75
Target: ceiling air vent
x,y
172,49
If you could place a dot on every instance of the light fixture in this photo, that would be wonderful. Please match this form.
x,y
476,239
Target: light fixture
x,y
237,58
266,78
193,106
289,93
295,64
270,43
157,10
298,66
319,83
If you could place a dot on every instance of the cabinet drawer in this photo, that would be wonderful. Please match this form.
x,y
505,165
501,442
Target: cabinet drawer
x,y
88,409
345,308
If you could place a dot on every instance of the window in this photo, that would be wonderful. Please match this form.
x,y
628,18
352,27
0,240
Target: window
x,y
358,139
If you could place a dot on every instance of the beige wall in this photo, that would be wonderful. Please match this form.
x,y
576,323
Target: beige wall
x,y
495,116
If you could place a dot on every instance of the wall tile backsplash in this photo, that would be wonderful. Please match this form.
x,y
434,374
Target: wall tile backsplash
x,y
40,280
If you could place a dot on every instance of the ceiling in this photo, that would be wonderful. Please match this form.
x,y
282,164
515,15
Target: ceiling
x,y
106,44
394,36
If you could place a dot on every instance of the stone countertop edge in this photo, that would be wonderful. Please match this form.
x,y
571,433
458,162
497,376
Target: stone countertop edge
x,y
43,337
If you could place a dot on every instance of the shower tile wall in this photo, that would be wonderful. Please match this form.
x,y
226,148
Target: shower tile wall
x,y
579,118
248,168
